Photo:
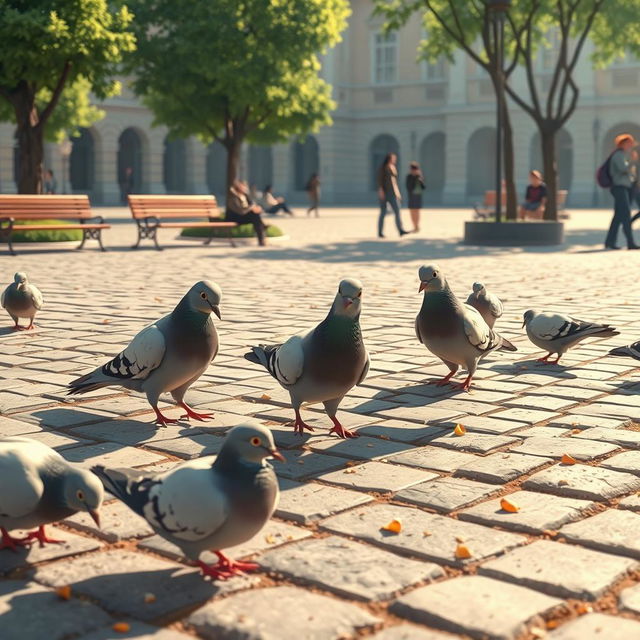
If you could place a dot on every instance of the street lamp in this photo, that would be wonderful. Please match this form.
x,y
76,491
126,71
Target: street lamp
x,y
596,137
66,146
498,10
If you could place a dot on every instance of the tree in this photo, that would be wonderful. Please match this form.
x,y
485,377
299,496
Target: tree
x,y
235,70
53,55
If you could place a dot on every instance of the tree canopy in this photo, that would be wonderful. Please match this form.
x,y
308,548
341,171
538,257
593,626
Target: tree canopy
x,y
232,70
52,55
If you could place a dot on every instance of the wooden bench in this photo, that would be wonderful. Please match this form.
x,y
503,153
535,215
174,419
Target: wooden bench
x,y
156,212
32,208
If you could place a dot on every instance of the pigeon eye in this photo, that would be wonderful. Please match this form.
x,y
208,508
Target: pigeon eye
x,y
80,494
256,442
435,275
203,295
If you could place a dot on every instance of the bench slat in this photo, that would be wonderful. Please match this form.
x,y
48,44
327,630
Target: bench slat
x,y
58,227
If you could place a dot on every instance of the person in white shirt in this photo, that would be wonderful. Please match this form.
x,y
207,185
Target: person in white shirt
x,y
272,204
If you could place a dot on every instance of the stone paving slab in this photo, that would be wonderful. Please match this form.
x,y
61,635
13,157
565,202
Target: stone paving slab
x,y
475,606
623,437
111,454
630,599
137,630
583,481
501,468
598,626
348,568
628,461
301,464
537,512
31,612
362,448
558,569
446,494
436,458
265,614
423,534
557,447
473,442
401,431
409,632
612,531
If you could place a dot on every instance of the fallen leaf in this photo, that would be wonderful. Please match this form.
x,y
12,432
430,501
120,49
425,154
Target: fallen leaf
x,y
149,598
550,532
352,463
507,505
269,539
121,627
567,459
64,592
563,483
158,299
552,624
459,430
583,608
426,534
264,396
351,470
106,321
462,552
576,430
395,526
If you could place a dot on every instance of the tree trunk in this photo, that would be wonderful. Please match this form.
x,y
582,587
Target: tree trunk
x,y
548,142
509,172
234,145
30,158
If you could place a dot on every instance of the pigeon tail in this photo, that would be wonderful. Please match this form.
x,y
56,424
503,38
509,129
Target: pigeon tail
x,y
262,355
506,345
607,332
89,382
128,485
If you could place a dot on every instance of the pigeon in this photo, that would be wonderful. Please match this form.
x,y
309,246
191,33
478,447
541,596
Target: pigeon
x,y
40,487
557,333
323,364
631,351
22,300
210,503
488,304
451,330
169,355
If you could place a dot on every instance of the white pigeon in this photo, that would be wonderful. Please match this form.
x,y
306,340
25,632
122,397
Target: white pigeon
x,y
22,300
488,304
207,504
40,487
557,333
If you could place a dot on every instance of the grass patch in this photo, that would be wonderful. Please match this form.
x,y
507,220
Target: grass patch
x,y
243,231
55,235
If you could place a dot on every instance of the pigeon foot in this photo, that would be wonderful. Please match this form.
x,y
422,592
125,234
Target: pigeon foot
x,y
300,425
466,385
235,566
201,417
9,542
341,431
215,572
443,382
41,536
162,420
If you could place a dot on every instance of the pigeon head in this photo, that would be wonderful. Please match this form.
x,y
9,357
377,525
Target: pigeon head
x,y
348,300
528,317
83,491
20,279
205,297
431,278
251,443
478,288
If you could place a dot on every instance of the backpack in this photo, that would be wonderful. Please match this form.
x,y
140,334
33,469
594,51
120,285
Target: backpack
x,y
603,174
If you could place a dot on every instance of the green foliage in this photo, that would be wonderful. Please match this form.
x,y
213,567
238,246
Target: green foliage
x,y
236,69
242,231
55,235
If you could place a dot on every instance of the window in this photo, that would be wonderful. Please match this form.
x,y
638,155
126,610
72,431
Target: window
x,y
436,71
384,58
628,59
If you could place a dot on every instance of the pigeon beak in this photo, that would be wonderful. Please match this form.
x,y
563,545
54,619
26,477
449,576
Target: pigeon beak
x,y
95,517
277,455
523,323
423,286
347,301
216,310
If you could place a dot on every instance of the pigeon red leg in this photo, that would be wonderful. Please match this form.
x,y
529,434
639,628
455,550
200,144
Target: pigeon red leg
x,y
215,572
545,359
41,536
341,431
235,566
9,542
162,420
300,425
465,386
193,414
443,381
556,360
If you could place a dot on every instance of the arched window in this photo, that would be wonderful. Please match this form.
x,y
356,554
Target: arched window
x,y
608,140
380,146
260,166
481,161
432,162
306,160
564,157
82,162
217,169
174,170
130,162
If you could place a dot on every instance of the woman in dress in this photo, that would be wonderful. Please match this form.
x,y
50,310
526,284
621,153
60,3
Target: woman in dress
x,y
389,193
415,187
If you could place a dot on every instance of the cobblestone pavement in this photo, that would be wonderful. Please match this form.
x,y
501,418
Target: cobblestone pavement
x,y
565,566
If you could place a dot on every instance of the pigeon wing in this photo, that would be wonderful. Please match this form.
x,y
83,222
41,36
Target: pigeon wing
x,y
476,329
36,297
22,483
287,361
495,306
3,298
365,371
144,354
551,326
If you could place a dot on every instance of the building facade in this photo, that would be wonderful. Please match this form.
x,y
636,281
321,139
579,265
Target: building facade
x,y
442,115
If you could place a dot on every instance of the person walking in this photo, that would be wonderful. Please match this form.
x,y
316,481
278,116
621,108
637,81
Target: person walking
x,y
415,186
622,179
313,191
243,211
389,193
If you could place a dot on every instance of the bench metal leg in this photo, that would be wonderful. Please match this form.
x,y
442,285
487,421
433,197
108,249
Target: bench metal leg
x,y
147,230
6,231
91,234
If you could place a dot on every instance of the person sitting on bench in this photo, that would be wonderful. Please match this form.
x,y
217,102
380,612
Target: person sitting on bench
x,y
535,198
243,211
273,204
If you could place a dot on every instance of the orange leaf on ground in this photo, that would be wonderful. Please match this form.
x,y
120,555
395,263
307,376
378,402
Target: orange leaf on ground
x,y
395,526
459,430
463,552
64,592
507,505
121,627
567,459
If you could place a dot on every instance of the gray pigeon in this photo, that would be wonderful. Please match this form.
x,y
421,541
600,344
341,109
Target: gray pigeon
x,y
453,331
22,300
488,304
40,487
207,504
631,351
169,355
323,364
557,333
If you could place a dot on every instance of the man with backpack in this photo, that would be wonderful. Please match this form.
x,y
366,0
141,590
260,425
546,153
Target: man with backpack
x,y
619,172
